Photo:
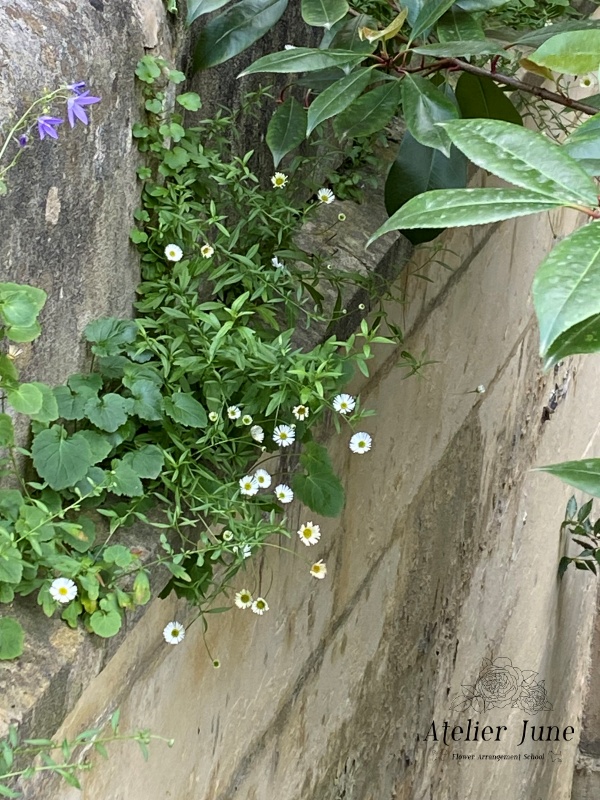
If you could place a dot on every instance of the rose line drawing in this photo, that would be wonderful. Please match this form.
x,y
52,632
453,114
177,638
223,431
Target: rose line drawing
x,y
500,685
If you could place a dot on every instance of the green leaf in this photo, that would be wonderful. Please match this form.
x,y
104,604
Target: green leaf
x,y
538,37
108,412
457,25
118,554
147,462
190,100
141,589
177,158
323,13
126,481
480,5
479,97
12,637
86,384
106,623
348,38
287,129
370,113
8,371
147,69
460,207
20,304
424,105
581,338
566,285
109,335
418,169
7,433
337,97
11,563
196,8
475,47
584,145
429,14
59,459
99,446
303,59
23,334
70,406
26,398
147,400
573,53
584,475
322,492
234,31
49,410
522,157
186,410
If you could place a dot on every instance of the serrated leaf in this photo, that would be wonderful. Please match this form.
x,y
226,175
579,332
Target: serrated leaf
x,y
60,460
424,105
12,637
109,411
370,113
70,406
584,474
418,169
99,445
286,130
323,13
110,336
322,492
147,462
196,8
475,47
572,53
337,97
460,207
565,285
234,31
7,433
125,481
25,398
479,97
303,59
523,157
429,14
186,410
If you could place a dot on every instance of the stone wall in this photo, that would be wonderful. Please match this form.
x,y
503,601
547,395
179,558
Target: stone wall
x,y
446,552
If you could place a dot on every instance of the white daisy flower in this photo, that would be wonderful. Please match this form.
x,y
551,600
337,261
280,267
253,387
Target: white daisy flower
x,y
277,263
249,485
263,478
63,590
360,443
173,253
233,412
227,536
243,599
245,552
279,180
207,251
344,403
284,435
301,412
319,570
174,633
283,493
213,416
309,533
246,419
326,196
257,433
259,606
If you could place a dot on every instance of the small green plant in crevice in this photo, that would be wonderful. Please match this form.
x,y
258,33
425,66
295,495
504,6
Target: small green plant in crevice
x,y
23,759
583,532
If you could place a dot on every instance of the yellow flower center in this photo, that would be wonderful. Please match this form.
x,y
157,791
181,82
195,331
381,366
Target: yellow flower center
x,y
63,590
307,533
175,633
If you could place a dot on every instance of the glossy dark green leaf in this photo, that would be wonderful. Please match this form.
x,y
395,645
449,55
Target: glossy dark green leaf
x,y
536,38
584,145
323,13
234,31
461,207
370,113
424,105
480,5
337,97
580,339
303,59
286,130
419,169
475,47
348,38
566,285
480,98
523,157
584,474
186,410
457,25
196,8
429,14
